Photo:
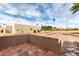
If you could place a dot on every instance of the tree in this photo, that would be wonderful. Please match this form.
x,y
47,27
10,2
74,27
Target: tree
x,y
74,8
46,28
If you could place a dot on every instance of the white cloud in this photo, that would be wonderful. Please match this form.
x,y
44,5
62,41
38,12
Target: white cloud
x,y
57,11
28,10
8,8
32,12
74,20
8,20
12,11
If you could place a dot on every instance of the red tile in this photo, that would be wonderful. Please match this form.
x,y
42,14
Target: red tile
x,y
26,49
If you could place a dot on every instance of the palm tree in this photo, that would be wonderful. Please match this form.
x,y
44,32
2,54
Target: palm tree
x,y
74,8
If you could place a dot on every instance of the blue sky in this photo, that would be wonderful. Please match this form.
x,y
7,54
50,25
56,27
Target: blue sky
x,y
40,13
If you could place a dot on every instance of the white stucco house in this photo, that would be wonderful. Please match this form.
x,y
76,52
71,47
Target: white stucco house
x,y
19,28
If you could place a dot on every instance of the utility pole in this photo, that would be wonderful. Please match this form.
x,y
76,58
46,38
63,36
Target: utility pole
x,y
4,30
66,25
53,21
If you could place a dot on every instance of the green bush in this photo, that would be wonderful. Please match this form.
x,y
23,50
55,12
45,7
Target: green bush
x,y
46,28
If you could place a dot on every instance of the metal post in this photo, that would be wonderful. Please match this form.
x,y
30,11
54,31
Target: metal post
x,y
66,25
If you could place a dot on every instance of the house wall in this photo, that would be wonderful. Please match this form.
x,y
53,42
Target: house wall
x,y
8,29
21,28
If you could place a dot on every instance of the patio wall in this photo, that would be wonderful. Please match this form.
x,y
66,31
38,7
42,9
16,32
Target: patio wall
x,y
7,41
44,42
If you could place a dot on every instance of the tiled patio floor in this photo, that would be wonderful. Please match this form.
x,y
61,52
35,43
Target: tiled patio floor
x,y
26,49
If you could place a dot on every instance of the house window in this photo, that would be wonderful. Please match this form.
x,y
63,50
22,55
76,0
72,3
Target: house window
x,y
34,31
18,30
31,29
2,31
22,31
38,31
